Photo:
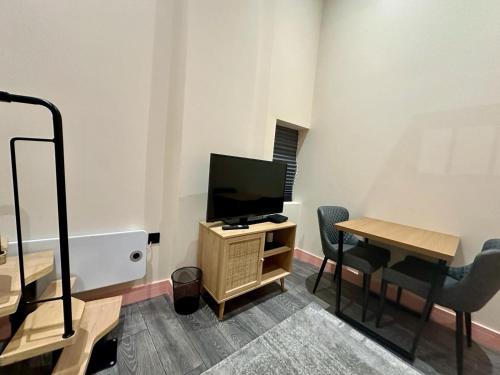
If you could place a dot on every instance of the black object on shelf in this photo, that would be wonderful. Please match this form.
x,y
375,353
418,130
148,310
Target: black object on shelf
x,y
277,218
234,226
57,140
272,245
186,282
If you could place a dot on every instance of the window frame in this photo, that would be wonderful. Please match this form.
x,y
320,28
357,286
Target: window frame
x,y
286,142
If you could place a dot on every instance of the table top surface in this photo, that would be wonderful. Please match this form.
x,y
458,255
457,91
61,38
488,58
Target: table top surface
x,y
426,242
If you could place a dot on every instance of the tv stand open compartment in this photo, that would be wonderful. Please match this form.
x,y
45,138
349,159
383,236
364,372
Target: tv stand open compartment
x,y
236,262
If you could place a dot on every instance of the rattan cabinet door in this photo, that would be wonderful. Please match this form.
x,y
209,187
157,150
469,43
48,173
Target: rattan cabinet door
x,y
242,268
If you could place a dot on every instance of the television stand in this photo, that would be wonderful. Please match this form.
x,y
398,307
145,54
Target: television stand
x,y
237,261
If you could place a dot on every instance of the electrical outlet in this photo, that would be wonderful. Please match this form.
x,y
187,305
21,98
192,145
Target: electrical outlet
x,y
153,238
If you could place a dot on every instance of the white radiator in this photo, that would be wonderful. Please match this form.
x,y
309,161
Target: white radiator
x,y
98,260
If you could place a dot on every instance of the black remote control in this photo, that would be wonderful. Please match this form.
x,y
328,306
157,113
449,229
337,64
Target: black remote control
x,y
235,226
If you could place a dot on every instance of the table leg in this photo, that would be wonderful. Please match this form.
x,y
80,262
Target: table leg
x,y
340,255
353,322
437,280
282,282
221,310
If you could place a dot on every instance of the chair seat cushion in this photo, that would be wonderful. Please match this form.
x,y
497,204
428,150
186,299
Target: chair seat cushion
x,y
333,251
446,299
458,273
350,239
366,258
346,246
449,282
413,274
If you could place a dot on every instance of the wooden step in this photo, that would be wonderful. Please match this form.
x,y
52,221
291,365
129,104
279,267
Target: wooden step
x,y
54,289
4,248
42,331
10,293
4,242
99,318
36,265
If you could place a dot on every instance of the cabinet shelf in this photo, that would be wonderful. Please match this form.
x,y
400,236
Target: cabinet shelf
x,y
272,272
276,250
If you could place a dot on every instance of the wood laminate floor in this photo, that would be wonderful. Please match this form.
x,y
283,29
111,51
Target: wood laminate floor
x,y
153,339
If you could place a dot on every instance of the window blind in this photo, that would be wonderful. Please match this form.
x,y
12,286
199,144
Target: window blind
x,y
285,150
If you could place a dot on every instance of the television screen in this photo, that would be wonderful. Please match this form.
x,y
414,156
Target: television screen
x,y
241,187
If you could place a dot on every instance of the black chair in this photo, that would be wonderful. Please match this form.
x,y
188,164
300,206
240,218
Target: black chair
x,y
464,289
357,254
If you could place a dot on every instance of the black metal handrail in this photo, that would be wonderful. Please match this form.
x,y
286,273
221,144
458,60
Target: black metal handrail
x,y
61,203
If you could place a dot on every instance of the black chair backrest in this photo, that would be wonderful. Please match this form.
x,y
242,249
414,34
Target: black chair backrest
x,y
494,243
480,283
327,217
483,280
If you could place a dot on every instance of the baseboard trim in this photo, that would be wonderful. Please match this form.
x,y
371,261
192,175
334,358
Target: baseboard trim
x,y
480,333
131,293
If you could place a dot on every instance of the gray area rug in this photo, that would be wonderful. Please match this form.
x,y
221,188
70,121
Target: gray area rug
x,y
312,341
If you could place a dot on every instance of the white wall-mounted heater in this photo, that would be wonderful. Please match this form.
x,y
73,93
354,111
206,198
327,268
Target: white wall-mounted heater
x,y
98,260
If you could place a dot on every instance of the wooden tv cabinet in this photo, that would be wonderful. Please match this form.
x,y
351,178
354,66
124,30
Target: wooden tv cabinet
x,y
235,262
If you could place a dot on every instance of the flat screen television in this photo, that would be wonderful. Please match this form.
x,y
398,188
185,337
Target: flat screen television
x,y
240,188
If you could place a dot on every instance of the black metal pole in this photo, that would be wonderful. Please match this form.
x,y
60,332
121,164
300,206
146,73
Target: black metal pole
x,y
63,221
338,266
18,216
61,201
15,185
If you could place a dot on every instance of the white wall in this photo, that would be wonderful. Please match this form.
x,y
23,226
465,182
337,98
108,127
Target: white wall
x,y
93,59
293,64
406,120
147,90
229,93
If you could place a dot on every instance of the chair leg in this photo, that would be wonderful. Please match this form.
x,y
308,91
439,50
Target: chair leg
x,y
459,336
366,294
428,316
468,328
383,291
398,296
335,273
320,274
